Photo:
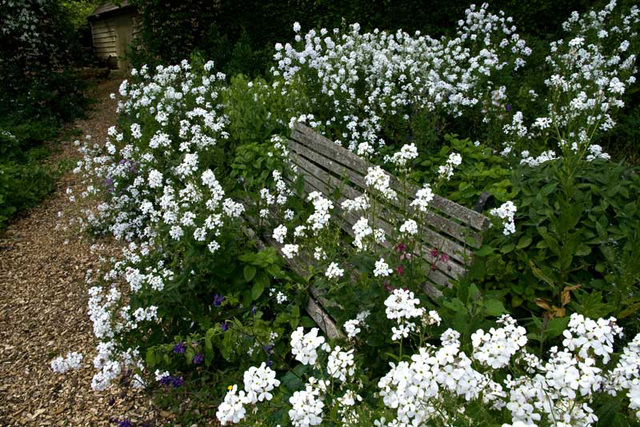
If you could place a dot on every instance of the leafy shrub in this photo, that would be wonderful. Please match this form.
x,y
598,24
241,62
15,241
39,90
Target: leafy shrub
x,y
22,185
575,243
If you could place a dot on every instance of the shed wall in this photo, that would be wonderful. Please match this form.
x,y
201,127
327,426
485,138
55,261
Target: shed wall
x,y
112,37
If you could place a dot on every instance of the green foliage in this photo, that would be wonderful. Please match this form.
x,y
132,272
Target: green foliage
x,y
575,244
481,171
39,93
22,185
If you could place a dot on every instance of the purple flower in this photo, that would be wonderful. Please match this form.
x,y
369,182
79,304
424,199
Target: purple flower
x,y
198,359
224,326
174,382
123,161
125,423
508,107
179,348
268,348
269,363
217,300
254,309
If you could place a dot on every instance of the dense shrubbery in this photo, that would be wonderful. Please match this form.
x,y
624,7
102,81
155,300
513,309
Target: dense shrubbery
x,y
39,92
194,303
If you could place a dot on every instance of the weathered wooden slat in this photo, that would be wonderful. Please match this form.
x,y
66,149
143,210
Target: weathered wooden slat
x,y
459,232
103,36
434,239
317,142
309,138
102,31
104,44
446,269
313,308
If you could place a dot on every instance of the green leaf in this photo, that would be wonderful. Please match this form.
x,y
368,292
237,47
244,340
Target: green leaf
x,y
524,242
494,307
249,272
257,289
555,327
151,360
507,248
541,274
485,250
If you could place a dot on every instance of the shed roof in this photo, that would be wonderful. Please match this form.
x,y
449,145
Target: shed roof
x,y
108,8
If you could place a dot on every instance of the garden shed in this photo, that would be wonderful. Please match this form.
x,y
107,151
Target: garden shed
x,y
113,26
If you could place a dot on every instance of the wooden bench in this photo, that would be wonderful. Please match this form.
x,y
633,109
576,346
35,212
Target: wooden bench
x,y
450,228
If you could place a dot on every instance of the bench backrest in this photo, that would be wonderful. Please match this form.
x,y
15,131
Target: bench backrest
x,y
450,228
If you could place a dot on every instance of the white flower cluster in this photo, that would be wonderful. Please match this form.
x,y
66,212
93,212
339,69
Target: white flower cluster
x,y
369,77
363,233
353,327
340,364
306,408
409,227
321,215
402,306
420,391
379,180
150,203
446,171
334,271
407,153
259,382
496,347
382,269
304,346
424,196
73,360
591,337
591,73
506,212
544,157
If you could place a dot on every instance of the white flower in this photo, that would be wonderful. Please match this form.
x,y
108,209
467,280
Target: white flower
x,y
402,304
376,178
334,271
496,347
352,327
506,212
290,250
382,269
304,346
446,171
424,196
409,227
259,382
155,179
60,364
279,233
306,409
407,153
340,364
232,410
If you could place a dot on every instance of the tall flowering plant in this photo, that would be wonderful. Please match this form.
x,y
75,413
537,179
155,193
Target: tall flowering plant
x,y
492,379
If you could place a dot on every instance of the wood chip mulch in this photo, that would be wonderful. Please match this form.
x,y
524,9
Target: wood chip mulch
x,y
43,310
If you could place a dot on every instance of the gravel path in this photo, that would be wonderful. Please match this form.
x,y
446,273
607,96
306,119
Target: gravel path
x,y
43,311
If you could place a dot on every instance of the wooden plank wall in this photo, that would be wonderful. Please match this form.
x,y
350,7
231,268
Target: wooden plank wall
x,y
104,38
112,35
